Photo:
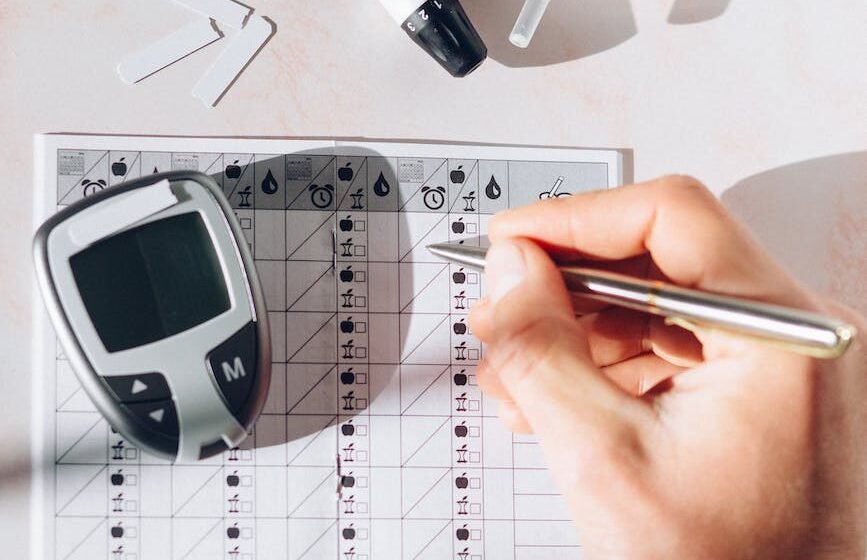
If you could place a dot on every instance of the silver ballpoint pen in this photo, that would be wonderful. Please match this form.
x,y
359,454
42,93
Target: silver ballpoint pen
x,y
792,329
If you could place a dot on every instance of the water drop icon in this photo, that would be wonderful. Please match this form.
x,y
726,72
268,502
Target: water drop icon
x,y
269,184
381,186
493,190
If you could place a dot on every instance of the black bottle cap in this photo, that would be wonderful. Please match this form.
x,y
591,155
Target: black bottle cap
x,y
442,28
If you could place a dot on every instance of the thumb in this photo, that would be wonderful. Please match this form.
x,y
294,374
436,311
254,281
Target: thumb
x,y
538,349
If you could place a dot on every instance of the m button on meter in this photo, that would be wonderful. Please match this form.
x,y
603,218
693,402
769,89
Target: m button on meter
x,y
233,366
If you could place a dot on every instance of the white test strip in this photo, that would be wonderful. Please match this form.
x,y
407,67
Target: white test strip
x,y
168,50
233,60
224,11
124,210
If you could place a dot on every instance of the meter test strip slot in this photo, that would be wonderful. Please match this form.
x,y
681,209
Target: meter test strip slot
x,y
195,388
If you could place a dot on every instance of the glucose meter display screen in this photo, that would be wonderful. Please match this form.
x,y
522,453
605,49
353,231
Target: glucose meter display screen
x,y
151,282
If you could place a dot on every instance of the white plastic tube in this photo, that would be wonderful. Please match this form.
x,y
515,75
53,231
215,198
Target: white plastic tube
x,y
528,20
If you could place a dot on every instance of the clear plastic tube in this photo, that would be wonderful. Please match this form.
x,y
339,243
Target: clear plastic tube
x,y
528,21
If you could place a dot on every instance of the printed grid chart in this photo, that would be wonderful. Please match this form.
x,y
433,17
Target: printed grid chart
x,y
375,441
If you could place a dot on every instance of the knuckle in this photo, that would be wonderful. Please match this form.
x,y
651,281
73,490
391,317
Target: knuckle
x,y
678,187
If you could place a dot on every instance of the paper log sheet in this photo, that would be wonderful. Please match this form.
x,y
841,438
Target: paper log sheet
x,y
375,442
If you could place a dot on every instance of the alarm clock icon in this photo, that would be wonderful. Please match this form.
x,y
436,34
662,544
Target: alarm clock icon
x,y
321,195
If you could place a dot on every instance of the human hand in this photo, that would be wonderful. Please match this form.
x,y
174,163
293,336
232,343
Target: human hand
x,y
667,443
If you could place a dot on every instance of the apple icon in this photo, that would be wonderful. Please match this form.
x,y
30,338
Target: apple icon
x,y
460,328
459,277
118,168
117,531
459,226
461,431
347,429
347,326
462,482
463,533
233,171
347,481
346,224
233,532
347,377
347,275
233,479
349,533
116,479
345,173
460,378
458,176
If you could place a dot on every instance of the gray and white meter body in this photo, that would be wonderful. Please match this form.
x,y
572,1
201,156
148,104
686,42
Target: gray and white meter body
x,y
153,294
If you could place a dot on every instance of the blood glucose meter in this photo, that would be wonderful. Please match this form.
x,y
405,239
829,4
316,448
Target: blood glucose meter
x,y
152,292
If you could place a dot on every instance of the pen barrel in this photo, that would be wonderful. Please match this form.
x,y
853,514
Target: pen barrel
x,y
801,331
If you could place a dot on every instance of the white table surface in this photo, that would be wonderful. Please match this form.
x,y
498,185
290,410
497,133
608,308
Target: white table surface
x,y
764,101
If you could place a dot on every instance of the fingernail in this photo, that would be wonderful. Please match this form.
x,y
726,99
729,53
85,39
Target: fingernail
x,y
505,269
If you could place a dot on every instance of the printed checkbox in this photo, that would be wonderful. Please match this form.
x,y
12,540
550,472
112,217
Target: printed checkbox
x,y
361,352
361,276
475,483
474,405
361,378
472,380
476,557
130,556
131,505
362,557
246,507
131,480
131,454
472,228
475,431
361,482
246,455
361,404
362,507
475,535
472,278
360,225
360,301
475,456
361,327
361,534
360,251
246,533
130,532
473,354
362,456
475,509
249,556
246,223
247,480
361,430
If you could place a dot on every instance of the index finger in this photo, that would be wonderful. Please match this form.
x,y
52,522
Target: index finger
x,y
690,236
